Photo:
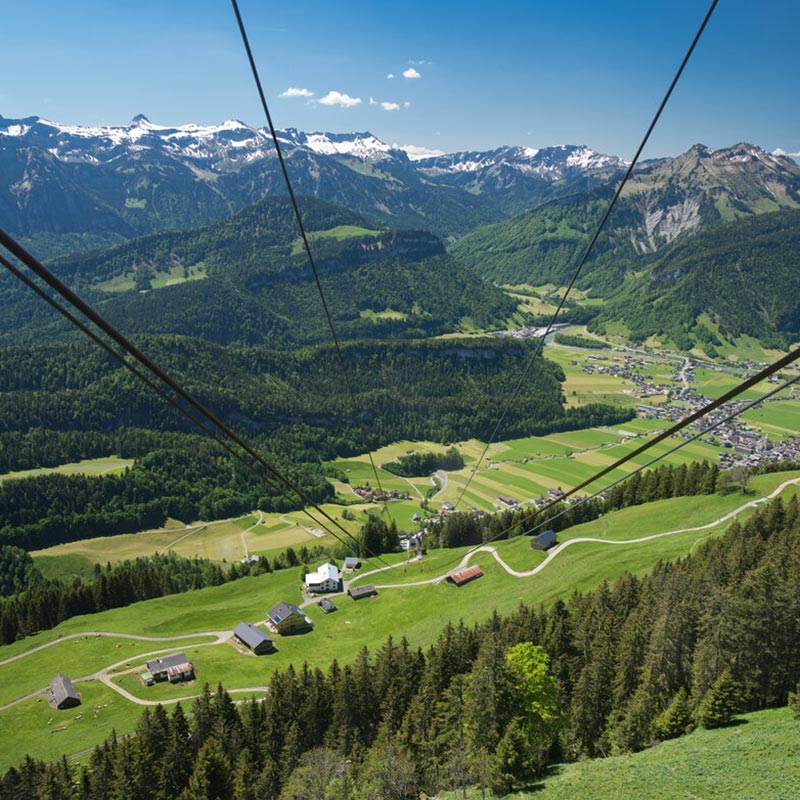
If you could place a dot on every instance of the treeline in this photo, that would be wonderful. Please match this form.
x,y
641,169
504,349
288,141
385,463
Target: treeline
x,y
443,390
43,603
68,402
198,482
610,671
17,571
580,341
418,465
462,529
44,447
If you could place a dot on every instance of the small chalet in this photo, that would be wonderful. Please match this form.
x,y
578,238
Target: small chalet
x,y
254,638
174,668
508,501
325,579
287,618
327,605
544,540
351,564
358,592
556,493
462,576
64,693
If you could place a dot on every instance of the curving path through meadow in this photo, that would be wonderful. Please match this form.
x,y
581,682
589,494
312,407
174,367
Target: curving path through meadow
x,y
220,637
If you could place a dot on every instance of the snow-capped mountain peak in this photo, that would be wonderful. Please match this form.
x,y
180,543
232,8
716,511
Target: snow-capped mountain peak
x,y
550,163
217,145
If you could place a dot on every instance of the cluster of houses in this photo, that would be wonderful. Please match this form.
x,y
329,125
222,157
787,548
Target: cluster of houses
x,y
742,444
627,367
283,619
532,331
412,542
372,495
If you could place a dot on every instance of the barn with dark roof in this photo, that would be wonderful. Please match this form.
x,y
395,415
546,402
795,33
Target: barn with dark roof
x,y
64,693
254,638
359,592
544,540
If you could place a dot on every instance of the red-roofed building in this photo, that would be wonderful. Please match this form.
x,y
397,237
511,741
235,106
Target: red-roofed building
x,y
462,576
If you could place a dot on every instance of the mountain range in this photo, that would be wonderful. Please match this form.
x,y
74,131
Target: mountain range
x,y
68,187
512,215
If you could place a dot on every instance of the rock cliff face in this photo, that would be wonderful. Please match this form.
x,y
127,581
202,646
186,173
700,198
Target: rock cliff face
x,y
705,186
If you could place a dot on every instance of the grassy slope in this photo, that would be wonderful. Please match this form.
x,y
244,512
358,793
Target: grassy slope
x,y
758,758
92,466
340,635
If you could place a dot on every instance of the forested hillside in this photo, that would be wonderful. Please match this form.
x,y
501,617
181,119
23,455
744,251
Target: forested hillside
x,y
740,277
73,400
247,281
610,671
544,244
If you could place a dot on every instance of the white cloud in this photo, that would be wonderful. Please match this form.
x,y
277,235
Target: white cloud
x,y
293,91
407,104
391,76
421,63
386,106
415,152
411,73
373,101
334,98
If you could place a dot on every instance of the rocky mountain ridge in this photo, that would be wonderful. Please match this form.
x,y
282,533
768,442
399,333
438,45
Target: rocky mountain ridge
x,y
65,188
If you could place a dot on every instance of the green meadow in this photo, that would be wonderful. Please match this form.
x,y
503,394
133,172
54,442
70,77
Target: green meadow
x,y
401,608
91,466
755,758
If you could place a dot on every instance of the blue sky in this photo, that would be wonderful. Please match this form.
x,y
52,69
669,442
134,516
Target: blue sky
x,y
528,73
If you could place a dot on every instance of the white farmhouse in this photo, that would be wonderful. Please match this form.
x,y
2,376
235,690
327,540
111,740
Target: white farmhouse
x,y
325,579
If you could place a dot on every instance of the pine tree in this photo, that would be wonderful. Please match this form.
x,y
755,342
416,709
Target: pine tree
x,y
510,765
720,703
675,720
211,778
243,783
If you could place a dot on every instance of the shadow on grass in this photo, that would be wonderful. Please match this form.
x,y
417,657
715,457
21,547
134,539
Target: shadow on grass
x,y
732,723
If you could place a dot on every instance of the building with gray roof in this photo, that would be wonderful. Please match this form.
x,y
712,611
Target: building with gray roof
x,y
544,540
174,668
64,693
287,618
254,638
